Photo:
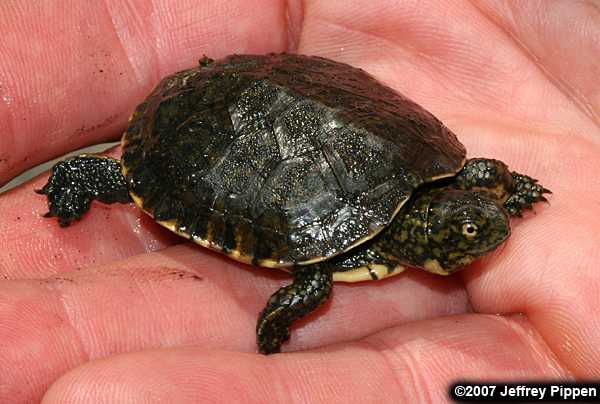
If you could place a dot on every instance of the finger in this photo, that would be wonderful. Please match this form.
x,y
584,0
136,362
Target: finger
x,y
105,56
410,363
34,246
552,277
180,296
545,31
472,69
548,267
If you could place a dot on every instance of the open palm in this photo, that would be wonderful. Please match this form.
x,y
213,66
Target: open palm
x,y
116,309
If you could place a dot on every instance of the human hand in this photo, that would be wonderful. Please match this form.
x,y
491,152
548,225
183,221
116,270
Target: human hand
x,y
116,309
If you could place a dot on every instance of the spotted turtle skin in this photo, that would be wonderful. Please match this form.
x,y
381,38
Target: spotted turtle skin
x,y
304,164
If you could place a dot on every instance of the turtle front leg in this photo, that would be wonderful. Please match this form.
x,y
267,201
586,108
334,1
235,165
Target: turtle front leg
x,y
75,182
515,191
527,192
311,287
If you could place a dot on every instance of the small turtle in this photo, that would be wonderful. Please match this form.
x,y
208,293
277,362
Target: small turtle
x,y
303,164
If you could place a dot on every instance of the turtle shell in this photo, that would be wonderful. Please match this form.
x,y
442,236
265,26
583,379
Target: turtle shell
x,y
280,159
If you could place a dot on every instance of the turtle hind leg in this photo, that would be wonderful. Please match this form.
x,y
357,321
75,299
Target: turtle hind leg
x,y
311,287
75,182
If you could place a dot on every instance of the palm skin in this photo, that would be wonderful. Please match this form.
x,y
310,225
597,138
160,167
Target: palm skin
x,y
115,309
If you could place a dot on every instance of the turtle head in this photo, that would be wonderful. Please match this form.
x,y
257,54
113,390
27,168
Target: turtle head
x,y
461,227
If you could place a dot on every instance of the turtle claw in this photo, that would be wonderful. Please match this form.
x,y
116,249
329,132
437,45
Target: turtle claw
x,y
527,193
271,336
75,182
311,287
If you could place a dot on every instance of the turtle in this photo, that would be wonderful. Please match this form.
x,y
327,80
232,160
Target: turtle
x,y
304,164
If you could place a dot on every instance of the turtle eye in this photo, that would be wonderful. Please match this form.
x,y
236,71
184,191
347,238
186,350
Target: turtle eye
x,y
469,230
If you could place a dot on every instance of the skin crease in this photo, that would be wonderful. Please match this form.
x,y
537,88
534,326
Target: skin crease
x,y
110,310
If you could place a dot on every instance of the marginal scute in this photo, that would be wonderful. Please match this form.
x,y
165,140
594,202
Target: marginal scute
x,y
281,159
367,273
